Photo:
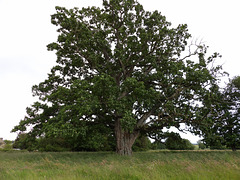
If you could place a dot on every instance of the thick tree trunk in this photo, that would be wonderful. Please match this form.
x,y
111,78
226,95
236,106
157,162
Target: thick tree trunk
x,y
125,140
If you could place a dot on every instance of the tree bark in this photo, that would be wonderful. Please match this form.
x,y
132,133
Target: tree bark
x,y
125,140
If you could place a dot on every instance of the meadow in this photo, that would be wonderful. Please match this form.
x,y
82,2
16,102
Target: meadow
x,y
107,165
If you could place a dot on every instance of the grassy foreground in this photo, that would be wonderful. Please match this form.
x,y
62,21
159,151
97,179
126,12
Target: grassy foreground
x,y
105,165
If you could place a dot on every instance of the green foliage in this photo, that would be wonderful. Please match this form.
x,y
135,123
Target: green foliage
x,y
201,145
95,140
158,145
217,145
6,145
53,144
142,143
25,141
128,121
222,128
119,66
175,142
187,145
8,142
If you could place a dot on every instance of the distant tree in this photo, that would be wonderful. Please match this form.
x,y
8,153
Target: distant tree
x,y
158,145
8,145
142,143
187,145
121,67
25,141
201,145
175,142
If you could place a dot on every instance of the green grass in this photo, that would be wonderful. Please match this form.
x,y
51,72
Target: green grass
x,y
105,165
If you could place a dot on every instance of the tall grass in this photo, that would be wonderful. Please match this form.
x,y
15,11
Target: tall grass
x,y
106,165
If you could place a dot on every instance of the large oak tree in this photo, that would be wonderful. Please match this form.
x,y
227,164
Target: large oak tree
x,y
121,68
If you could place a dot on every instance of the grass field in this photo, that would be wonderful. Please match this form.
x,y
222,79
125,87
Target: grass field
x,y
105,165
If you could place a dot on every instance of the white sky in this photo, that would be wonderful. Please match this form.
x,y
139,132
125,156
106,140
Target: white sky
x,y
25,30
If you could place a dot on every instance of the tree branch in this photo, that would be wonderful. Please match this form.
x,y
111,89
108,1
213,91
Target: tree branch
x,y
143,119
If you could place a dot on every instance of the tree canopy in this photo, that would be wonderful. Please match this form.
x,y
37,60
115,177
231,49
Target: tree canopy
x,y
120,69
223,123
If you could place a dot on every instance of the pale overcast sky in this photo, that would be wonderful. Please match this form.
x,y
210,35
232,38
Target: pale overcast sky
x,y
25,30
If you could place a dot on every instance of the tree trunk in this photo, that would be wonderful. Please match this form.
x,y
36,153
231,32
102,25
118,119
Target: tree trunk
x,y
234,148
125,140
